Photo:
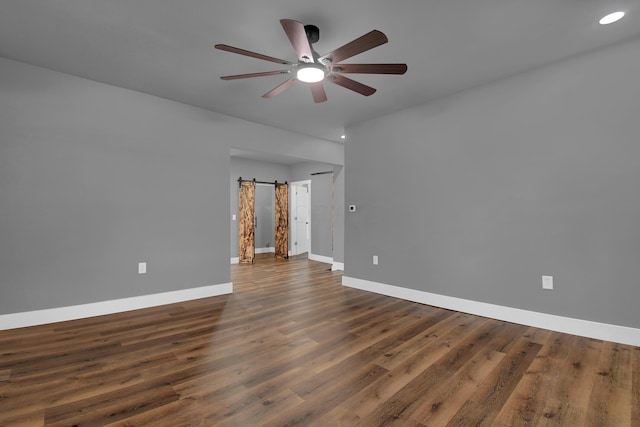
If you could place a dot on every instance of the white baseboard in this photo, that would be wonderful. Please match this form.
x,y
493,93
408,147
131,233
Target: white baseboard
x,y
337,266
236,260
320,258
265,250
61,314
585,328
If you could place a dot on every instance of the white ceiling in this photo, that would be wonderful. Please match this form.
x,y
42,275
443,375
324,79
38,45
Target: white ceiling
x,y
165,48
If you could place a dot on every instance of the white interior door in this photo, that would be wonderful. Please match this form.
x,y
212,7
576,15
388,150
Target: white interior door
x,y
301,219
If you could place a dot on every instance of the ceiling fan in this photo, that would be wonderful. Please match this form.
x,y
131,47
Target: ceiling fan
x,y
313,69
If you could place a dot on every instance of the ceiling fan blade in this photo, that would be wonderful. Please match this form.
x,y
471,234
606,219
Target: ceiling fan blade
x,y
351,84
317,90
246,76
280,88
298,38
237,50
362,44
370,68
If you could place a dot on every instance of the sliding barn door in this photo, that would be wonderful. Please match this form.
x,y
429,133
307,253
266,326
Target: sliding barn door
x,y
246,229
282,221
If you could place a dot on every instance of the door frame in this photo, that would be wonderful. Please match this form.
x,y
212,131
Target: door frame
x,y
292,207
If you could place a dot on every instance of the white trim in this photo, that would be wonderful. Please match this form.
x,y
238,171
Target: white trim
x,y
265,250
337,266
61,314
585,328
320,258
235,260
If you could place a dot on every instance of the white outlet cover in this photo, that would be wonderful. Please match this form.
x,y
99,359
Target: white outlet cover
x,y
375,260
142,267
547,282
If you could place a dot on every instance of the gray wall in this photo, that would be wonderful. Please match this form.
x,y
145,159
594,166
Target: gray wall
x,y
261,171
94,179
478,195
338,213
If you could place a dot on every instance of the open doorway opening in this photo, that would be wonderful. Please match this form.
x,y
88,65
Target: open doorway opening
x,y
315,234
263,217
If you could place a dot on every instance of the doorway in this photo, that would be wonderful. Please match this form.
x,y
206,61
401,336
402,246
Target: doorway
x,y
300,217
263,209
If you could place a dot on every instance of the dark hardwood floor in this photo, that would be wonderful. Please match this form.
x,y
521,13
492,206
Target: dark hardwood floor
x,y
291,346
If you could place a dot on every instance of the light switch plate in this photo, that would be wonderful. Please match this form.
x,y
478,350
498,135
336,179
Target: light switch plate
x,y
547,282
142,267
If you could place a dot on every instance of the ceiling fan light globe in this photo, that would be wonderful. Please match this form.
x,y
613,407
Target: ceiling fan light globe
x,y
310,74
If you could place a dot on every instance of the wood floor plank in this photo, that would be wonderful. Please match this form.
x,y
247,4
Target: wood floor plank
x,y
405,369
112,406
438,407
575,382
404,402
494,391
322,393
292,346
283,401
432,342
526,405
174,413
339,416
610,401
81,385
635,386
5,374
32,419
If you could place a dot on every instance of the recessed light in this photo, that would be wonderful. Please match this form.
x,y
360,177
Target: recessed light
x,y
611,18
343,136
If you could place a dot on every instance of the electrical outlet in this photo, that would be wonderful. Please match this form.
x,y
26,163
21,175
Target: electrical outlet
x,y
375,260
547,282
142,267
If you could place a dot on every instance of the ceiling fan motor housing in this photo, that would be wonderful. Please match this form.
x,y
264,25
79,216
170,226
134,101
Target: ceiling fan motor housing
x,y
313,33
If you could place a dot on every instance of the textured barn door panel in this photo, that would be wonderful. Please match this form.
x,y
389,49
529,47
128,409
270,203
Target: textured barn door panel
x,y
246,209
282,221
